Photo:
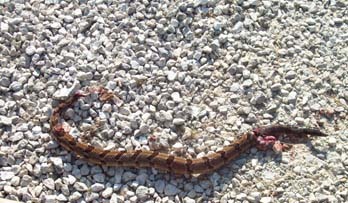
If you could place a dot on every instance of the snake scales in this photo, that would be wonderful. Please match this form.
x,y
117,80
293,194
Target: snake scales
x,y
157,160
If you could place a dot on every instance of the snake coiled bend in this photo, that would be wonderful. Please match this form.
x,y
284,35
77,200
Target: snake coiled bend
x,y
158,160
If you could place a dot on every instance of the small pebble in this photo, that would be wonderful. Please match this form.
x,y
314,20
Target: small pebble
x,y
107,192
266,199
97,187
81,187
332,141
6,175
49,183
171,190
178,121
6,121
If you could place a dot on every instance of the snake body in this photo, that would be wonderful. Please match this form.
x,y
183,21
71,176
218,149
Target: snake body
x,y
158,160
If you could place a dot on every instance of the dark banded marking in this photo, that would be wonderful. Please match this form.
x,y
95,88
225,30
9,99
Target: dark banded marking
x,y
153,155
223,155
170,160
136,154
89,148
72,141
104,153
236,146
117,157
188,165
206,160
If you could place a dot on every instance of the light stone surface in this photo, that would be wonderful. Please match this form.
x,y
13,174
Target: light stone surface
x,y
190,77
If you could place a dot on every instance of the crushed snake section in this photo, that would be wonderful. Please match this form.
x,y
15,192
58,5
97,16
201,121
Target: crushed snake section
x,y
164,162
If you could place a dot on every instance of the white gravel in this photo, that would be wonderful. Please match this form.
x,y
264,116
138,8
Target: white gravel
x,y
191,76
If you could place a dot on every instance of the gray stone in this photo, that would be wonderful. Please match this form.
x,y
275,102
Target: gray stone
x,y
81,187
6,175
55,25
99,177
16,86
241,196
107,192
5,121
259,98
244,110
75,196
189,200
332,141
5,82
171,75
84,170
276,87
255,196
178,121
66,92
26,180
50,198
61,198
266,199
171,190
36,130
127,176
30,50
17,136
68,19
49,183
82,76
69,180
57,161
159,186
37,190
176,97
15,181
142,192
97,187
315,107
238,27
247,83
4,27
292,97
290,75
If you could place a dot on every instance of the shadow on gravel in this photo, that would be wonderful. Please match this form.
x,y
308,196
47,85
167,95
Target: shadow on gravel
x,y
234,176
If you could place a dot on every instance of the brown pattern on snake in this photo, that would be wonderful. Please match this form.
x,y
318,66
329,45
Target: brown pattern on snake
x,y
161,161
